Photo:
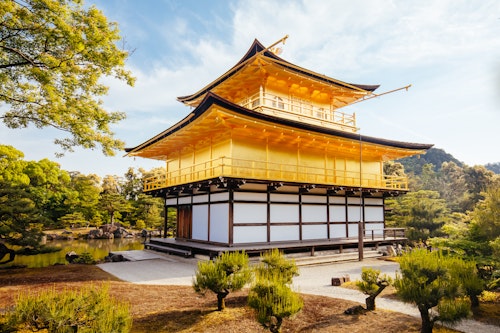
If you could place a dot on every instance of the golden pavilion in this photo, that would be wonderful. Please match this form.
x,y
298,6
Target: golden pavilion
x,y
266,159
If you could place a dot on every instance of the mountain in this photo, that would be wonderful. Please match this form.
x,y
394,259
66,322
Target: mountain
x,y
434,156
495,167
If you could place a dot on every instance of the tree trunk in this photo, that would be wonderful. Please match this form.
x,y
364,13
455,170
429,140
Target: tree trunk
x,y
275,326
474,301
370,303
221,300
370,300
427,323
4,250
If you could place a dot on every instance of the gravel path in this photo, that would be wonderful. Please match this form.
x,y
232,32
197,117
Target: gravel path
x,y
316,280
161,269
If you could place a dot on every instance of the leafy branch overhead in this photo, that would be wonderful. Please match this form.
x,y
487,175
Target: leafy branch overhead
x,y
53,54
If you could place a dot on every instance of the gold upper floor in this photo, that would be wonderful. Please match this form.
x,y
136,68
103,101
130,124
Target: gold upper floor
x,y
265,83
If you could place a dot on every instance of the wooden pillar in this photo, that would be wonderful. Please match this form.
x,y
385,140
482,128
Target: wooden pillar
x,y
165,217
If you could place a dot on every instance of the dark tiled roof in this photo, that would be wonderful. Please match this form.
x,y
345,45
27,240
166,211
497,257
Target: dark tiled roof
x,y
213,99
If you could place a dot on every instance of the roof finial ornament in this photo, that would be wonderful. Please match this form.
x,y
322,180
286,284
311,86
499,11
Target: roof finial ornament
x,y
274,49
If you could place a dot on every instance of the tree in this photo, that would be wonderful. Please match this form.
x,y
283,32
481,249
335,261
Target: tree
x,y
20,219
50,188
452,186
485,224
149,210
423,213
274,262
372,284
86,190
428,280
271,295
229,272
111,199
12,166
53,54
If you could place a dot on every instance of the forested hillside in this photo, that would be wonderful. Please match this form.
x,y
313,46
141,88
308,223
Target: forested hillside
x,y
450,205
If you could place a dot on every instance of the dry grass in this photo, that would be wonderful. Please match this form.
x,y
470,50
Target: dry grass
x,y
162,309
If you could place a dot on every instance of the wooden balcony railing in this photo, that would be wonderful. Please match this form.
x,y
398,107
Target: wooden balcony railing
x,y
241,168
300,110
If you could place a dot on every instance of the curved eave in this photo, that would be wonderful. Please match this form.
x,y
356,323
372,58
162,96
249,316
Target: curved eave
x,y
257,49
214,100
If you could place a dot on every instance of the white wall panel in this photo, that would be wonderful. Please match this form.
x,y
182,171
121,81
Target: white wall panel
x,y
353,213
353,200
313,213
200,198
223,196
284,197
374,201
250,213
378,229
219,212
200,222
219,230
337,231
314,199
284,233
314,232
353,229
250,196
337,214
374,214
172,202
257,234
337,200
184,200
284,213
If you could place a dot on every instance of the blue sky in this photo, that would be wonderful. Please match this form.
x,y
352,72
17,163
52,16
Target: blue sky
x,y
448,50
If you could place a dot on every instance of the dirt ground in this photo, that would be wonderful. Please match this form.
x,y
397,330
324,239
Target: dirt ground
x,y
162,309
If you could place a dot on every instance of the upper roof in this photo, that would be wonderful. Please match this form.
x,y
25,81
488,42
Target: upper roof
x,y
258,52
226,111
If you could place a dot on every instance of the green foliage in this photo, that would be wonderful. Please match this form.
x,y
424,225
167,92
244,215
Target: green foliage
x,y
273,301
486,215
422,212
73,220
87,310
229,272
431,279
271,295
12,166
20,220
54,54
84,258
274,262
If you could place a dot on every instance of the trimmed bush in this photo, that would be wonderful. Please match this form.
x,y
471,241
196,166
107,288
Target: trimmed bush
x,y
88,310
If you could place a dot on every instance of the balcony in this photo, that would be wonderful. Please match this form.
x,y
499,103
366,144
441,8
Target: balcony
x,y
240,168
300,110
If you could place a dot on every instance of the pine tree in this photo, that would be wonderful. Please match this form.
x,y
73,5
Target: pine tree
x,y
228,272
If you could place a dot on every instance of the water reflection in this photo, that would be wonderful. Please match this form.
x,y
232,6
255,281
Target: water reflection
x,y
98,248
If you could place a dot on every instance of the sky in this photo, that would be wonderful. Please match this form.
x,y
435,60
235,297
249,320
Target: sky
x,y
448,50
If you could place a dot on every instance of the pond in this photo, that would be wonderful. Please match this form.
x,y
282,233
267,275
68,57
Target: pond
x,y
98,248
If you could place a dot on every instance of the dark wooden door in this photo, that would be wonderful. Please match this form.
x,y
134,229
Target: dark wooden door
x,y
184,223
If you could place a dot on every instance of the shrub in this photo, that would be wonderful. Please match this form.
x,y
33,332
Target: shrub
x,y
372,284
84,258
228,272
271,296
87,310
431,279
